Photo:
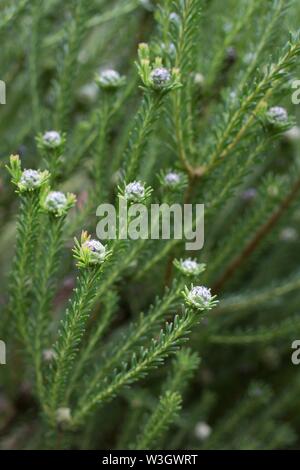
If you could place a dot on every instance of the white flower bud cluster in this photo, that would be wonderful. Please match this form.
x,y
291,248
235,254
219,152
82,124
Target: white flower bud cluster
x,y
110,79
52,139
277,115
200,297
97,251
199,79
134,191
30,179
160,78
56,202
189,267
172,179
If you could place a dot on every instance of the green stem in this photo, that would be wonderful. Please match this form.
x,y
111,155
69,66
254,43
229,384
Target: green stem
x,y
70,335
144,123
90,346
22,265
43,290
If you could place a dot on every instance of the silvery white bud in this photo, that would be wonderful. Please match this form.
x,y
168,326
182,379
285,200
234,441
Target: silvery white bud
x,y
199,297
110,79
56,202
134,191
30,179
190,266
52,139
172,178
199,79
278,115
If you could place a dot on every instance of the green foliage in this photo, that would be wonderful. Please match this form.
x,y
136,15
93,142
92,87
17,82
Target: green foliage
x,y
158,423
